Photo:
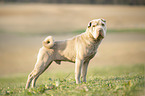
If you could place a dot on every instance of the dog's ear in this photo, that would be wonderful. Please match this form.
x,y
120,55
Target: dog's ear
x,y
103,20
89,25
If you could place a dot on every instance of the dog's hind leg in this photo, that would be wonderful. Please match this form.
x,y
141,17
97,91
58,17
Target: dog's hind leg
x,y
36,76
30,78
43,61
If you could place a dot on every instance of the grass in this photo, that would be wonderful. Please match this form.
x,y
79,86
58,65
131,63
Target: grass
x,y
101,81
141,30
137,30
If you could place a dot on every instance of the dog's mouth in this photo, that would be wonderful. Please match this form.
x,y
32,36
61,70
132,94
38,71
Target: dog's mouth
x,y
101,35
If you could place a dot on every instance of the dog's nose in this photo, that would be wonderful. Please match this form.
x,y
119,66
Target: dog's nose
x,y
100,30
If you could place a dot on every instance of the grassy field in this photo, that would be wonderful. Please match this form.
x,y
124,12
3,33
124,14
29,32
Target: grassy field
x,y
102,81
116,70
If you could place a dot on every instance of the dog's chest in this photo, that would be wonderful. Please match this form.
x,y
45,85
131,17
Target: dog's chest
x,y
90,51
87,52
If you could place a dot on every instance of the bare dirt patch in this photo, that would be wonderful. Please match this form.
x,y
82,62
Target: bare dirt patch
x,y
47,18
18,53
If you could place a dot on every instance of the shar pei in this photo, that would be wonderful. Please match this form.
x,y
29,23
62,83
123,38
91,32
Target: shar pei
x,y
79,49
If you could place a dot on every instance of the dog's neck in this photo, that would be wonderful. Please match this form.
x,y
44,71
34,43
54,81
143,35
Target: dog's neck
x,y
90,40
90,37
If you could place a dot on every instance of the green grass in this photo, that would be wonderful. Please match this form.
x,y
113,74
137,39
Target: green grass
x,y
127,30
137,30
101,81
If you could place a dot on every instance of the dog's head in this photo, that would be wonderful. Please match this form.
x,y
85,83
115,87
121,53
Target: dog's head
x,y
97,28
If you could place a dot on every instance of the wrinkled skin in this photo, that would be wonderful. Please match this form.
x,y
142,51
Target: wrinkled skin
x,y
79,49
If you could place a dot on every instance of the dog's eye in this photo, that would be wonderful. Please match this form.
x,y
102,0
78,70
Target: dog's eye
x,y
48,41
94,25
103,24
89,24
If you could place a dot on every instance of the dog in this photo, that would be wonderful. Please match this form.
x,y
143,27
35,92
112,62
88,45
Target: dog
x,y
79,50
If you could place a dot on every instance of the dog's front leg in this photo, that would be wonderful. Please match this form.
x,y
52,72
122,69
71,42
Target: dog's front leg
x,y
84,71
78,65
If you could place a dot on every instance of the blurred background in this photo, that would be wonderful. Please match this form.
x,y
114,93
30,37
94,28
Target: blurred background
x,y
25,23
128,2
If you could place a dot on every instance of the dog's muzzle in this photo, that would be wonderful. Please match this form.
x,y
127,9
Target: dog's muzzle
x,y
101,32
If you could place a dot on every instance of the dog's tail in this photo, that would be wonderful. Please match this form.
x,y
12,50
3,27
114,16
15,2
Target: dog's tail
x,y
48,42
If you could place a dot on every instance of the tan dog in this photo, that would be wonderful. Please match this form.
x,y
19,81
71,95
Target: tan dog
x,y
80,50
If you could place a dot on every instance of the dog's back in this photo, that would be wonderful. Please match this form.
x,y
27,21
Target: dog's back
x,y
80,49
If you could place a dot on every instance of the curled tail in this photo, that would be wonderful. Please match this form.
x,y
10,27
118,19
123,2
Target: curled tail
x,y
48,42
